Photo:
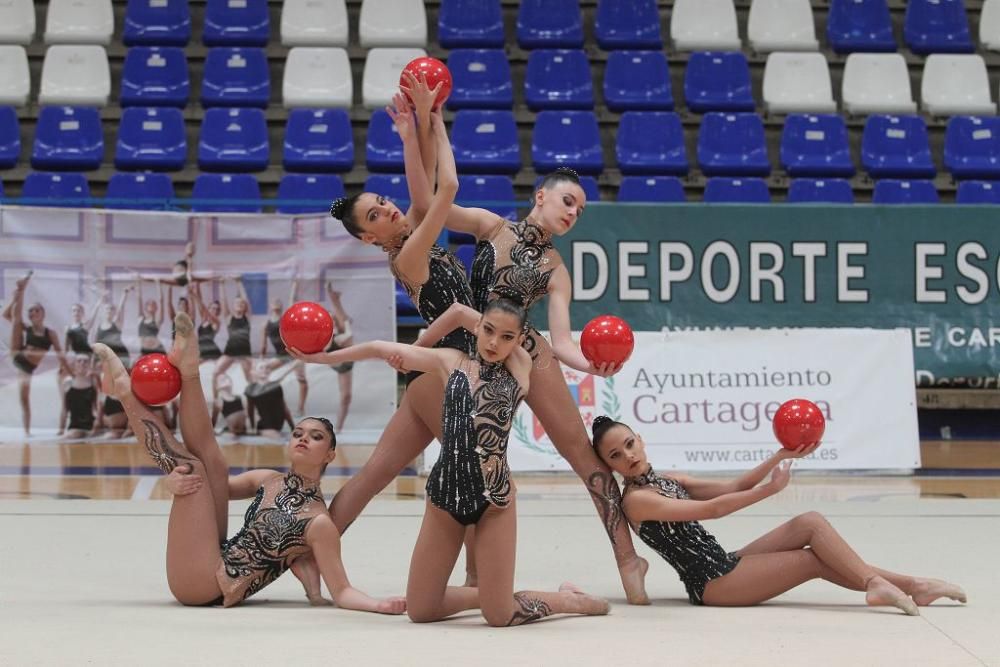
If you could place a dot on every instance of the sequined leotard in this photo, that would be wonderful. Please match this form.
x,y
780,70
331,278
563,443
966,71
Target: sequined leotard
x,y
471,473
272,536
516,261
686,545
446,284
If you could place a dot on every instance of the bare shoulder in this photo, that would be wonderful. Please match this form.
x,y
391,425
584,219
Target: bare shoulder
x,y
321,529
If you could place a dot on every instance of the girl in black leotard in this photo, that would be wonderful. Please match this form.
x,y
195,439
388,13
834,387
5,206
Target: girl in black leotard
x,y
266,406
77,335
665,511
29,343
229,405
150,320
79,400
237,320
470,483
209,327
434,279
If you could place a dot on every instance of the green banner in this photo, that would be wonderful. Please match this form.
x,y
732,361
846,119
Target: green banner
x,y
934,270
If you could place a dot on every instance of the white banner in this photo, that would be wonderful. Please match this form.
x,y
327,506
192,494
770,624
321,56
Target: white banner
x,y
705,400
91,257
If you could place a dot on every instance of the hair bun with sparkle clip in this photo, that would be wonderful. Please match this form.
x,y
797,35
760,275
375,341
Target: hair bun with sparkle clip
x,y
599,423
566,171
338,208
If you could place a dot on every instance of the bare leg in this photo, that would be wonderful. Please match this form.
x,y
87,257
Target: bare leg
x,y
221,366
550,400
192,542
24,396
300,375
495,547
404,437
245,365
344,380
428,596
197,431
812,529
471,576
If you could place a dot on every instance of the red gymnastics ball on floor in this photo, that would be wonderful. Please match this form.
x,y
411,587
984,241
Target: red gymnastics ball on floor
x,y
434,71
607,339
307,327
798,422
155,380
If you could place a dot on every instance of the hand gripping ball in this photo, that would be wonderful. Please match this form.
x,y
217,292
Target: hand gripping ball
x,y
155,381
607,339
307,327
798,422
434,71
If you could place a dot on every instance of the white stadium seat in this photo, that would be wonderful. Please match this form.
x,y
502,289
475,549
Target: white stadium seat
x,y
781,25
317,76
393,23
704,25
75,75
79,22
798,82
17,22
877,83
956,84
381,77
314,23
15,77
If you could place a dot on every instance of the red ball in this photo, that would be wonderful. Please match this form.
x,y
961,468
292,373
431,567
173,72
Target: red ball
x,y
798,422
607,339
434,71
307,327
155,381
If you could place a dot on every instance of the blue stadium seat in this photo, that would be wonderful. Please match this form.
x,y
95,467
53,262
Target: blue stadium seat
x,y
155,76
892,191
68,138
664,189
233,140
826,190
235,77
474,189
383,147
628,24
163,22
978,192
896,147
485,142
737,191
151,138
566,138
322,187
732,144
558,79
56,189
718,81
816,145
465,254
244,23
937,26
972,147
475,24
132,185
406,312
226,187
10,138
481,79
651,142
318,140
549,24
860,25
638,80
392,186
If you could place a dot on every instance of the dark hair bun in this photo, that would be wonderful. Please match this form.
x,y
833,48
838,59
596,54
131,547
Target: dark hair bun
x,y
566,171
338,208
600,423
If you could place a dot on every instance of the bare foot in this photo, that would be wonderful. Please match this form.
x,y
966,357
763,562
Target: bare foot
x,y
115,381
633,574
184,352
881,593
586,604
926,591
319,601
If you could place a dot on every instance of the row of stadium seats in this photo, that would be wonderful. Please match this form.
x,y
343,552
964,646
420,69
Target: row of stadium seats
x,y
930,26
647,142
310,193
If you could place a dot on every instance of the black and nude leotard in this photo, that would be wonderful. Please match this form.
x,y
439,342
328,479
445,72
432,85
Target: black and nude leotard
x,y
272,537
471,474
690,549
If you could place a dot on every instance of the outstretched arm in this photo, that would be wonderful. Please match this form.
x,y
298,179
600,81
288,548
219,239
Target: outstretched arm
x,y
566,351
706,489
413,358
457,315
120,312
90,319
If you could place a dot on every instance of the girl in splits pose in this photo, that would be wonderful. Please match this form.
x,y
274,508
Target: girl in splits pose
x,y
434,279
517,260
470,483
29,343
287,519
665,510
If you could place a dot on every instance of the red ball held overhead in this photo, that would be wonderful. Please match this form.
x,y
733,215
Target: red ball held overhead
x,y
607,339
798,422
307,327
434,71
155,381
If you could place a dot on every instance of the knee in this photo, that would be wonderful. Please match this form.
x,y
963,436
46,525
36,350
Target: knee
x,y
346,396
498,616
422,613
812,519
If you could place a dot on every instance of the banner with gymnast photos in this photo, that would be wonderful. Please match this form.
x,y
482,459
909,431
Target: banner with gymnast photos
x,y
705,400
93,258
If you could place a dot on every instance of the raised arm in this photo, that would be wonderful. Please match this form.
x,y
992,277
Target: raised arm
x,y
171,311
706,489
648,506
566,351
139,295
241,290
457,315
120,312
13,311
225,300
417,183
160,311
206,313
423,98
339,314
413,358
94,309
293,291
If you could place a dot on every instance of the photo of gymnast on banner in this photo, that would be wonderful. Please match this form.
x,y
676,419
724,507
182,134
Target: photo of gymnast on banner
x,y
72,278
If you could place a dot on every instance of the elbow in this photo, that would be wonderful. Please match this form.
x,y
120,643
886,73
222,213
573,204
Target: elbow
x,y
448,184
